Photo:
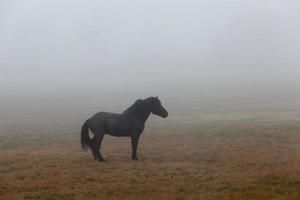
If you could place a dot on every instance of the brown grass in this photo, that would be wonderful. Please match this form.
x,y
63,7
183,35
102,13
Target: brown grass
x,y
221,160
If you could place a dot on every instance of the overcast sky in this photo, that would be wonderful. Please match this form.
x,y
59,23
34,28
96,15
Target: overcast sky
x,y
174,48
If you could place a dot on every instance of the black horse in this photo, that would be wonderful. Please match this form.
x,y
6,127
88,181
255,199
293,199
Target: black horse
x,y
130,123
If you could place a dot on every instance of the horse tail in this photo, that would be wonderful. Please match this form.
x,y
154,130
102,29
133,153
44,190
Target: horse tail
x,y
85,138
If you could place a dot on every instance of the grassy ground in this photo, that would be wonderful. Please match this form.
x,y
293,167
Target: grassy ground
x,y
224,156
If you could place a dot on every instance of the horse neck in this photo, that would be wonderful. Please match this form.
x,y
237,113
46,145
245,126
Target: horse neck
x,y
143,115
146,115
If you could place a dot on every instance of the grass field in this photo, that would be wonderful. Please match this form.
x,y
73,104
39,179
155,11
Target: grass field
x,y
250,155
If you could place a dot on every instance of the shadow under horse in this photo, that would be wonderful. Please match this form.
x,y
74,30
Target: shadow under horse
x,y
130,123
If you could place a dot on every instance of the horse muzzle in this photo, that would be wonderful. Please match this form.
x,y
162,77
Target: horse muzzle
x,y
165,115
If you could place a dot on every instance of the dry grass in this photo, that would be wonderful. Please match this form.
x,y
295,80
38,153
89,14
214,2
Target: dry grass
x,y
220,160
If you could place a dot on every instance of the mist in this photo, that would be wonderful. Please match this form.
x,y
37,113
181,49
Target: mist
x,y
90,54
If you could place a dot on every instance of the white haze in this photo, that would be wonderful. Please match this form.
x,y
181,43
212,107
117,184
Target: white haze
x,y
199,52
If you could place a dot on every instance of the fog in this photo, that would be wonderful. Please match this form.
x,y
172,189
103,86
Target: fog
x,y
204,53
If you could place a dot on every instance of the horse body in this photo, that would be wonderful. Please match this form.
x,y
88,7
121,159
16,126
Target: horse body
x,y
116,124
130,123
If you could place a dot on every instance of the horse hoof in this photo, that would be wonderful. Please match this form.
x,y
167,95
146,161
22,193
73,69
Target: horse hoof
x,y
134,159
101,160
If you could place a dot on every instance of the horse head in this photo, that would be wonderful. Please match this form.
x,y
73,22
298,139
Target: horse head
x,y
157,108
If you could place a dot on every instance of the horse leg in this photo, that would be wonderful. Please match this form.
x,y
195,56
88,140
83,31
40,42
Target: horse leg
x,y
93,148
98,137
134,144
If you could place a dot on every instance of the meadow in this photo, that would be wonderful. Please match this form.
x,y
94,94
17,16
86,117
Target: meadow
x,y
224,156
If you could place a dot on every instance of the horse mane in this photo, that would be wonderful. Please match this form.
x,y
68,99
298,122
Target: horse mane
x,y
138,107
